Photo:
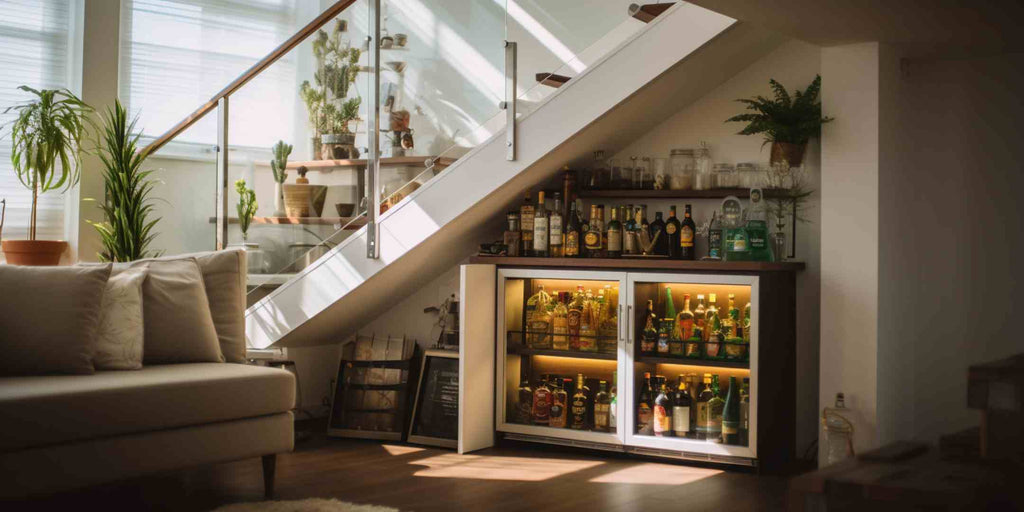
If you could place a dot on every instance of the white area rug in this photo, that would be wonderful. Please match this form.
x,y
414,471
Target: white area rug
x,y
306,505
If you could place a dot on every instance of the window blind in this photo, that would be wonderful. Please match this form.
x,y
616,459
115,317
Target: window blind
x,y
34,51
176,54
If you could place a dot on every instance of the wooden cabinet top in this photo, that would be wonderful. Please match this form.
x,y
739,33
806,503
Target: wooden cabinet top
x,y
646,264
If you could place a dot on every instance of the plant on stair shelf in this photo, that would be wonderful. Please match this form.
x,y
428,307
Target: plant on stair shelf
x,y
279,166
788,123
246,209
46,137
331,112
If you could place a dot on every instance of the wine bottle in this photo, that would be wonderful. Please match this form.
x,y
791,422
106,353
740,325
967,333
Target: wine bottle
x,y
687,232
649,336
555,224
667,327
681,410
526,214
662,411
571,244
658,230
614,249
643,407
731,415
541,236
672,226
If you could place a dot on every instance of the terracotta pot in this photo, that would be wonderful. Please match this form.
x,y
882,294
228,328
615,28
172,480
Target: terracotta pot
x,y
788,152
36,253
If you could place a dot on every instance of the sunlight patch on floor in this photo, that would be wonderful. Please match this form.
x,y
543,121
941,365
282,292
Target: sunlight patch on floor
x,y
656,474
484,467
395,450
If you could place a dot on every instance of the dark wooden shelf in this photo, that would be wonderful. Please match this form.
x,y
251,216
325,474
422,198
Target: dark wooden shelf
x,y
718,193
350,223
709,363
526,351
642,264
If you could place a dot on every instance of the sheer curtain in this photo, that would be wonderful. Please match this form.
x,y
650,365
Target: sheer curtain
x,y
176,54
34,51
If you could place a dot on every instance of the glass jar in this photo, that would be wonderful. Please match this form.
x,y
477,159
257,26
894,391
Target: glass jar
x,y
622,174
659,167
723,176
681,169
600,176
749,177
703,179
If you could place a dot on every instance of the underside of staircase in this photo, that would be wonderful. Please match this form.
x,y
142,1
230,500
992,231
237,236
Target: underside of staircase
x,y
678,58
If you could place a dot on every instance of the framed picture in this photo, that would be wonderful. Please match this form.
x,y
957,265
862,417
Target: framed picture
x,y
435,411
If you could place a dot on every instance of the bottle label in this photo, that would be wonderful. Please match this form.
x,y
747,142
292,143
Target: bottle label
x,y
662,420
680,420
539,333
579,412
630,242
648,342
614,240
715,243
601,416
540,234
557,413
572,243
592,240
541,405
573,321
669,228
702,417
663,343
730,428
560,332
555,228
643,417
526,218
686,237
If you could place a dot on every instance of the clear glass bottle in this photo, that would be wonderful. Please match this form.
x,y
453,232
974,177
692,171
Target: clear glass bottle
x,y
538,320
838,431
682,169
659,168
703,177
723,176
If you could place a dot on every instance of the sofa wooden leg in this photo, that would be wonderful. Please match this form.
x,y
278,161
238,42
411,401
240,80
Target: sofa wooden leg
x,y
269,465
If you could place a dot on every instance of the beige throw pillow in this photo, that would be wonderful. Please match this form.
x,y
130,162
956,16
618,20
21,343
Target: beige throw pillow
x,y
224,275
119,340
176,314
49,317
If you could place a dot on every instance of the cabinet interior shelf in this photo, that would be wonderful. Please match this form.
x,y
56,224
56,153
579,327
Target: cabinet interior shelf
x,y
394,161
348,222
707,363
718,193
526,351
640,264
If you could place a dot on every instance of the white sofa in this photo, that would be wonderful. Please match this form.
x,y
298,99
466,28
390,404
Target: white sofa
x,y
60,432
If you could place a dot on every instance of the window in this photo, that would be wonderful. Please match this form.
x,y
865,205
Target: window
x,y
176,54
34,51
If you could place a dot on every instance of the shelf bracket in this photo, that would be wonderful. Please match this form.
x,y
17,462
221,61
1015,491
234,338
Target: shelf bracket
x,y
509,105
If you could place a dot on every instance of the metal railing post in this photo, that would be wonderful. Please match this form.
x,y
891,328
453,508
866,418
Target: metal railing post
x,y
222,173
373,137
510,100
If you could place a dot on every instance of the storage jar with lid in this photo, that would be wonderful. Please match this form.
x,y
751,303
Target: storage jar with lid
x,y
682,168
748,175
703,179
724,176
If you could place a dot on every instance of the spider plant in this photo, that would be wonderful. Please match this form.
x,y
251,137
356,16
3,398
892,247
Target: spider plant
x,y
127,230
46,136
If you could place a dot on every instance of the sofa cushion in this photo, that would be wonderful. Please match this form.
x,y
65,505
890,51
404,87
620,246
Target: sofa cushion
x,y
119,340
46,410
176,314
49,317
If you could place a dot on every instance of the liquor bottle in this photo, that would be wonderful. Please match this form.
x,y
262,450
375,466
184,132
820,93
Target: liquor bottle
x,y
579,404
667,327
524,409
512,237
555,224
734,348
589,323
613,404
541,235
644,414
681,410
684,328
746,324
662,410
693,347
541,402
568,190
538,322
703,398
649,336
526,214
659,236
559,405
571,243
602,407
713,345
716,406
560,323
608,322
672,226
574,317
731,415
715,237
592,239
630,233
614,249
745,412
687,232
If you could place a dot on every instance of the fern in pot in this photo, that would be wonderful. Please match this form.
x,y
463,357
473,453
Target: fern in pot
x,y
46,137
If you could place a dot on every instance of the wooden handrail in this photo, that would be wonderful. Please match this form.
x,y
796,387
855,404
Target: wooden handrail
x,y
250,73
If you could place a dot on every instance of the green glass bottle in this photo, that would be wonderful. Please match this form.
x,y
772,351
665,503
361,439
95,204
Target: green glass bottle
x,y
731,415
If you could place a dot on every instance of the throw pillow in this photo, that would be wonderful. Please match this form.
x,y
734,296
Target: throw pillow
x,y
224,274
176,314
49,318
119,340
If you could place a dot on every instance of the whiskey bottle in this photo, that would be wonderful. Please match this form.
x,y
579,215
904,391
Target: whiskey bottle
x,y
541,235
644,413
693,347
672,226
734,348
602,408
681,410
560,323
684,329
614,236
630,235
714,331
658,235
592,239
526,214
538,320
589,323
613,404
731,415
541,402
524,408
649,336
667,327
559,405
579,404
608,322
703,398
687,232
574,317
662,410
555,221
716,406
571,244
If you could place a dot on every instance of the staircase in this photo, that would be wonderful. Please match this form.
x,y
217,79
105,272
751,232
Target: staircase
x,y
678,57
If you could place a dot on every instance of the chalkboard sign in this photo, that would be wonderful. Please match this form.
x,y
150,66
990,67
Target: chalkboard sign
x,y
435,416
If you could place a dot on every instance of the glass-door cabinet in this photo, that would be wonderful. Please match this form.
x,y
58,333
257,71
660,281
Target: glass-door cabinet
x,y
561,355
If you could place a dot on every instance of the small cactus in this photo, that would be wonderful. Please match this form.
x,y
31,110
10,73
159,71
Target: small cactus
x,y
280,161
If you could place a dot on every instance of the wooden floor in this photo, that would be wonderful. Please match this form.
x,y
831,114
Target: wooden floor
x,y
511,477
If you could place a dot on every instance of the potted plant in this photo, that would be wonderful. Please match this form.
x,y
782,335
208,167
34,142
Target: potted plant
x,y
127,230
786,122
46,137
256,261
279,165
331,111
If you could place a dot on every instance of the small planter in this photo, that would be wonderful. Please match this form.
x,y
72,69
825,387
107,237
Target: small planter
x,y
279,200
301,200
338,146
793,154
35,253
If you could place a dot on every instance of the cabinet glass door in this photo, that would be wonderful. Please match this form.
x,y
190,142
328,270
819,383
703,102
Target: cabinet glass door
x,y
692,372
561,353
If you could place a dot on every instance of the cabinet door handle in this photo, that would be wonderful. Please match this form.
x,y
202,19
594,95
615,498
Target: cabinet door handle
x,y
621,337
629,324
